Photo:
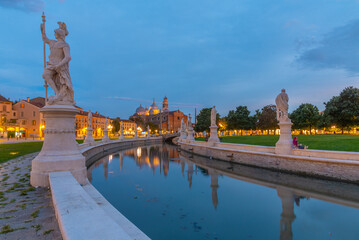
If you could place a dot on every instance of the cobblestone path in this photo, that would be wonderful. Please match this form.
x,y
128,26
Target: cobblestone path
x,y
25,212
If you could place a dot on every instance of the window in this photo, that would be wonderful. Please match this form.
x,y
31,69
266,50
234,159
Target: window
x,y
33,122
23,122
22,105
4,108
14,114
33,113
22,114
178,118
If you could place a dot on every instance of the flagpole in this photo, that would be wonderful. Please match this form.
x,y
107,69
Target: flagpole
x,y
45,83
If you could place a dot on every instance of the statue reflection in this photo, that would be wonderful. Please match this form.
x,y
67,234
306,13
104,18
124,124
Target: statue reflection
x,y
287,217
190,173
214,187
105,161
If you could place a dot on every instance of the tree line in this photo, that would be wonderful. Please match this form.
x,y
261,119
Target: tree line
x,y
341,111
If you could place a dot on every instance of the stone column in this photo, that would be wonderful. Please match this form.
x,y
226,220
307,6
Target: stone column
x,y
105,137
89,136
160,131
189,129
287,216
213,138
59,151
136,136
183,133
285,142
148,132
122,136
89,132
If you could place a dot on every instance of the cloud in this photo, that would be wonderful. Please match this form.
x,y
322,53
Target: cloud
x,y
24,5
338,49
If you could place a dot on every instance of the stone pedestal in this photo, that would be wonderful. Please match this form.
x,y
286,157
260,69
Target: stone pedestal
x,y
285,142
190,134
214,135
122,136
59,151
105,135
89,136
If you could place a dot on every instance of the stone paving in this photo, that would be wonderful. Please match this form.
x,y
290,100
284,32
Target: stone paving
x,y
25,212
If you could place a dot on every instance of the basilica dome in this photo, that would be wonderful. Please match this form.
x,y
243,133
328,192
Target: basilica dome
x,y
154,108
140,110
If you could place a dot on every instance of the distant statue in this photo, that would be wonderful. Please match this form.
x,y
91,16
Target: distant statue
x,y
56,72
189,122
90,119
106,123
213,116
282,106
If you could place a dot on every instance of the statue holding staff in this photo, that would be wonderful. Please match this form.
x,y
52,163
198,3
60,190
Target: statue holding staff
x,y
56,72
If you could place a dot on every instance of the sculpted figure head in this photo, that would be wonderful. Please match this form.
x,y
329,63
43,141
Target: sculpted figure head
x,y
61,32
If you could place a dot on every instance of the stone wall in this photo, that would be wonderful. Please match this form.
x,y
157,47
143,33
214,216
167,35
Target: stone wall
x,y
322,164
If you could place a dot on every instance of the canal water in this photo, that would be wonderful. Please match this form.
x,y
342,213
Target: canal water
x,y
172,195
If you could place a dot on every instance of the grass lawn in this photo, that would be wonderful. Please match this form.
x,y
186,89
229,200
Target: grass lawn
x,y
322,142
14,150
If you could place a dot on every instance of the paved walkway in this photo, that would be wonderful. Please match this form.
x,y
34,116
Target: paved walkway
x,y
25,212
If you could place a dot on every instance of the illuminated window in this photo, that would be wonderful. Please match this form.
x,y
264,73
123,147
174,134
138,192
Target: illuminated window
x,y
33,122
22,105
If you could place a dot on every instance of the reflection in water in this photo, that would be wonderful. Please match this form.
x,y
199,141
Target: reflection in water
x,y
289,188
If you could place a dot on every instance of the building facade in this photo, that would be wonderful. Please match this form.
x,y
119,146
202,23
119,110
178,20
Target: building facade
x,y
166,120
8,124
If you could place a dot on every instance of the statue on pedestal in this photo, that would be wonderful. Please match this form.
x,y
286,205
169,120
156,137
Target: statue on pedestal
x,y
89,116
56,72
213,116
284,144
60,150
282,106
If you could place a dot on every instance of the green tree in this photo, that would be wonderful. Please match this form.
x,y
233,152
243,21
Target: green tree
x,y
139,121
116,125
343,110
306,116
239,119
153,127
267,119
204,120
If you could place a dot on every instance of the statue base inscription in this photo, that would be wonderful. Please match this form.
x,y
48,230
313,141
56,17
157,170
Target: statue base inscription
x,y
60,150
284,144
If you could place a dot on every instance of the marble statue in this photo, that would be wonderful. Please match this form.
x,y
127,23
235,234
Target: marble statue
x,y
282,106
56,72
213,116
90,119
106,123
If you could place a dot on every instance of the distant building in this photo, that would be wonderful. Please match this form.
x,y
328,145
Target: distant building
x,y
29,118
8,125
98,123
168,121
24,119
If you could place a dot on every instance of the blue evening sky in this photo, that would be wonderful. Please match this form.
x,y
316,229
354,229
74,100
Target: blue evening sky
x,y
198,53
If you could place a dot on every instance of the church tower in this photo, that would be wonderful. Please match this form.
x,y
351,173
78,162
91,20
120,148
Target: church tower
x,y
165,105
